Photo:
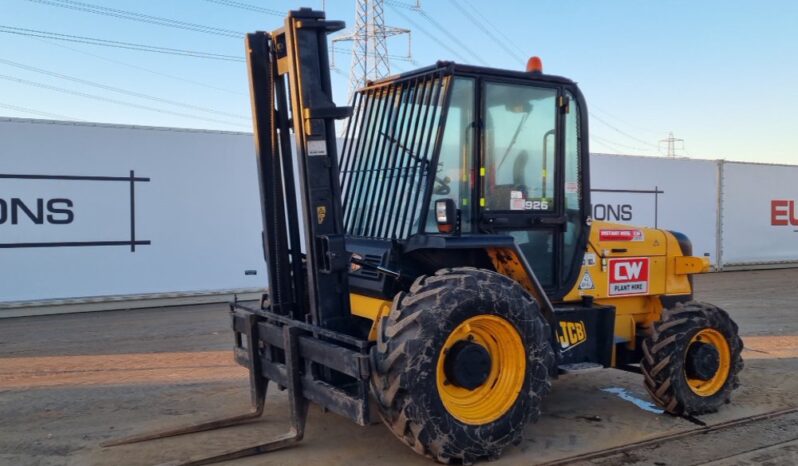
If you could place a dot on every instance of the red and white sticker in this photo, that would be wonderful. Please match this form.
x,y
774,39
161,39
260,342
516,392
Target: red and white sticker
x,y
571,187
628,275
517,203
621,235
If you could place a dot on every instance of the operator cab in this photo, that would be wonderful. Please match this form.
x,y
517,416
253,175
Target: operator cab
x,y
504,148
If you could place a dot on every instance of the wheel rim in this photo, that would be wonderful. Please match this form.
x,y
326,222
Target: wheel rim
x,y
490,400
713,384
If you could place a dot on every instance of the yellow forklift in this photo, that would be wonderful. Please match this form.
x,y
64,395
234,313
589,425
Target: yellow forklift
x,y
445,264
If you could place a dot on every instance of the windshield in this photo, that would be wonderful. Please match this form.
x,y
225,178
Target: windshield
x,y
387,156
519,147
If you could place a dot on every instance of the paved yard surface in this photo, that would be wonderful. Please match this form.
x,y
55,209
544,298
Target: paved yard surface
x,y
69,382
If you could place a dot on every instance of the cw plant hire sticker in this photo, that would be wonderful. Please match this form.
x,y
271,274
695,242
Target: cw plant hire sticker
x,y
628,276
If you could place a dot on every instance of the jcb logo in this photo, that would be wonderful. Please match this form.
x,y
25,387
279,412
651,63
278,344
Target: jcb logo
x,y
572,334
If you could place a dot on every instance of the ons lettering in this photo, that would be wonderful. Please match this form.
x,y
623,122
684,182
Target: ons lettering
x,y
613,212
15,211
783,212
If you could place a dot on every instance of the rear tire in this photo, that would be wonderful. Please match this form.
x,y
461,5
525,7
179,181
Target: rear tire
x,y
418,407
692,358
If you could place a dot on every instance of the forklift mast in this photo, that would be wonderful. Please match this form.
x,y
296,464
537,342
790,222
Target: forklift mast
x,y
300,191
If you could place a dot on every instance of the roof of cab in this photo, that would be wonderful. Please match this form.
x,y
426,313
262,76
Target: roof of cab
x,y
449,67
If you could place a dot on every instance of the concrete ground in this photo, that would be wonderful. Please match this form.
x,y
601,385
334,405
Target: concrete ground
x,y
70,382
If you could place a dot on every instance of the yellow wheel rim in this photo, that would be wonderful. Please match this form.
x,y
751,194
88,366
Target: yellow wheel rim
x,y
498,393
715,383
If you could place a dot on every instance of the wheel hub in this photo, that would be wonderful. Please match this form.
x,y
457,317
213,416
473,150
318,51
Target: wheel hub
x,y
467,365
703,361
460,363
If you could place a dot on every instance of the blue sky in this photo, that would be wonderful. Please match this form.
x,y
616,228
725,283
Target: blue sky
x,y
720,74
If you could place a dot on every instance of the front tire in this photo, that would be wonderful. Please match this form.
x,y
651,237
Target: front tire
x,y
461,364
692,358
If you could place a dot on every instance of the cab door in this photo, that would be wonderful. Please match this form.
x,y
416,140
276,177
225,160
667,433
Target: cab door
x,y
524,190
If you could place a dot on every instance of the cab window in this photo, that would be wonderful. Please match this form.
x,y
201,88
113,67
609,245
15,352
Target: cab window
x,y
453,175
520,150
573,184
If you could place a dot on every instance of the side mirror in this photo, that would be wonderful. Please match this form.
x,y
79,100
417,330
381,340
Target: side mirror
x,y
446,215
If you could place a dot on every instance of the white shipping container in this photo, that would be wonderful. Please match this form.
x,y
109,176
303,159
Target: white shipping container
x,y
759,222
674,194
92,210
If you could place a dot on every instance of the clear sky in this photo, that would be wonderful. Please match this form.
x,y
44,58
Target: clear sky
x,y
722,75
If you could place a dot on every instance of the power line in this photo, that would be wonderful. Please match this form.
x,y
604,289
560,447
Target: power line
x,y
400,68
612,127
614,149
606,141
141,68
118,102
139,17
427,33
499,31
119,90
248,6
390,55
452,37
476,22
407,6
607,146
621,120
118,44
32,111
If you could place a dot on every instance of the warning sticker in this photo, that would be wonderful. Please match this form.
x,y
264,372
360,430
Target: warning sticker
x,y
621,235
587,282
628,276
317,147
589,260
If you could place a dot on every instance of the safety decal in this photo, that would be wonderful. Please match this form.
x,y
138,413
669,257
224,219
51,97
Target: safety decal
x,y
621,235
628,276
589,260
317,147
587,282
